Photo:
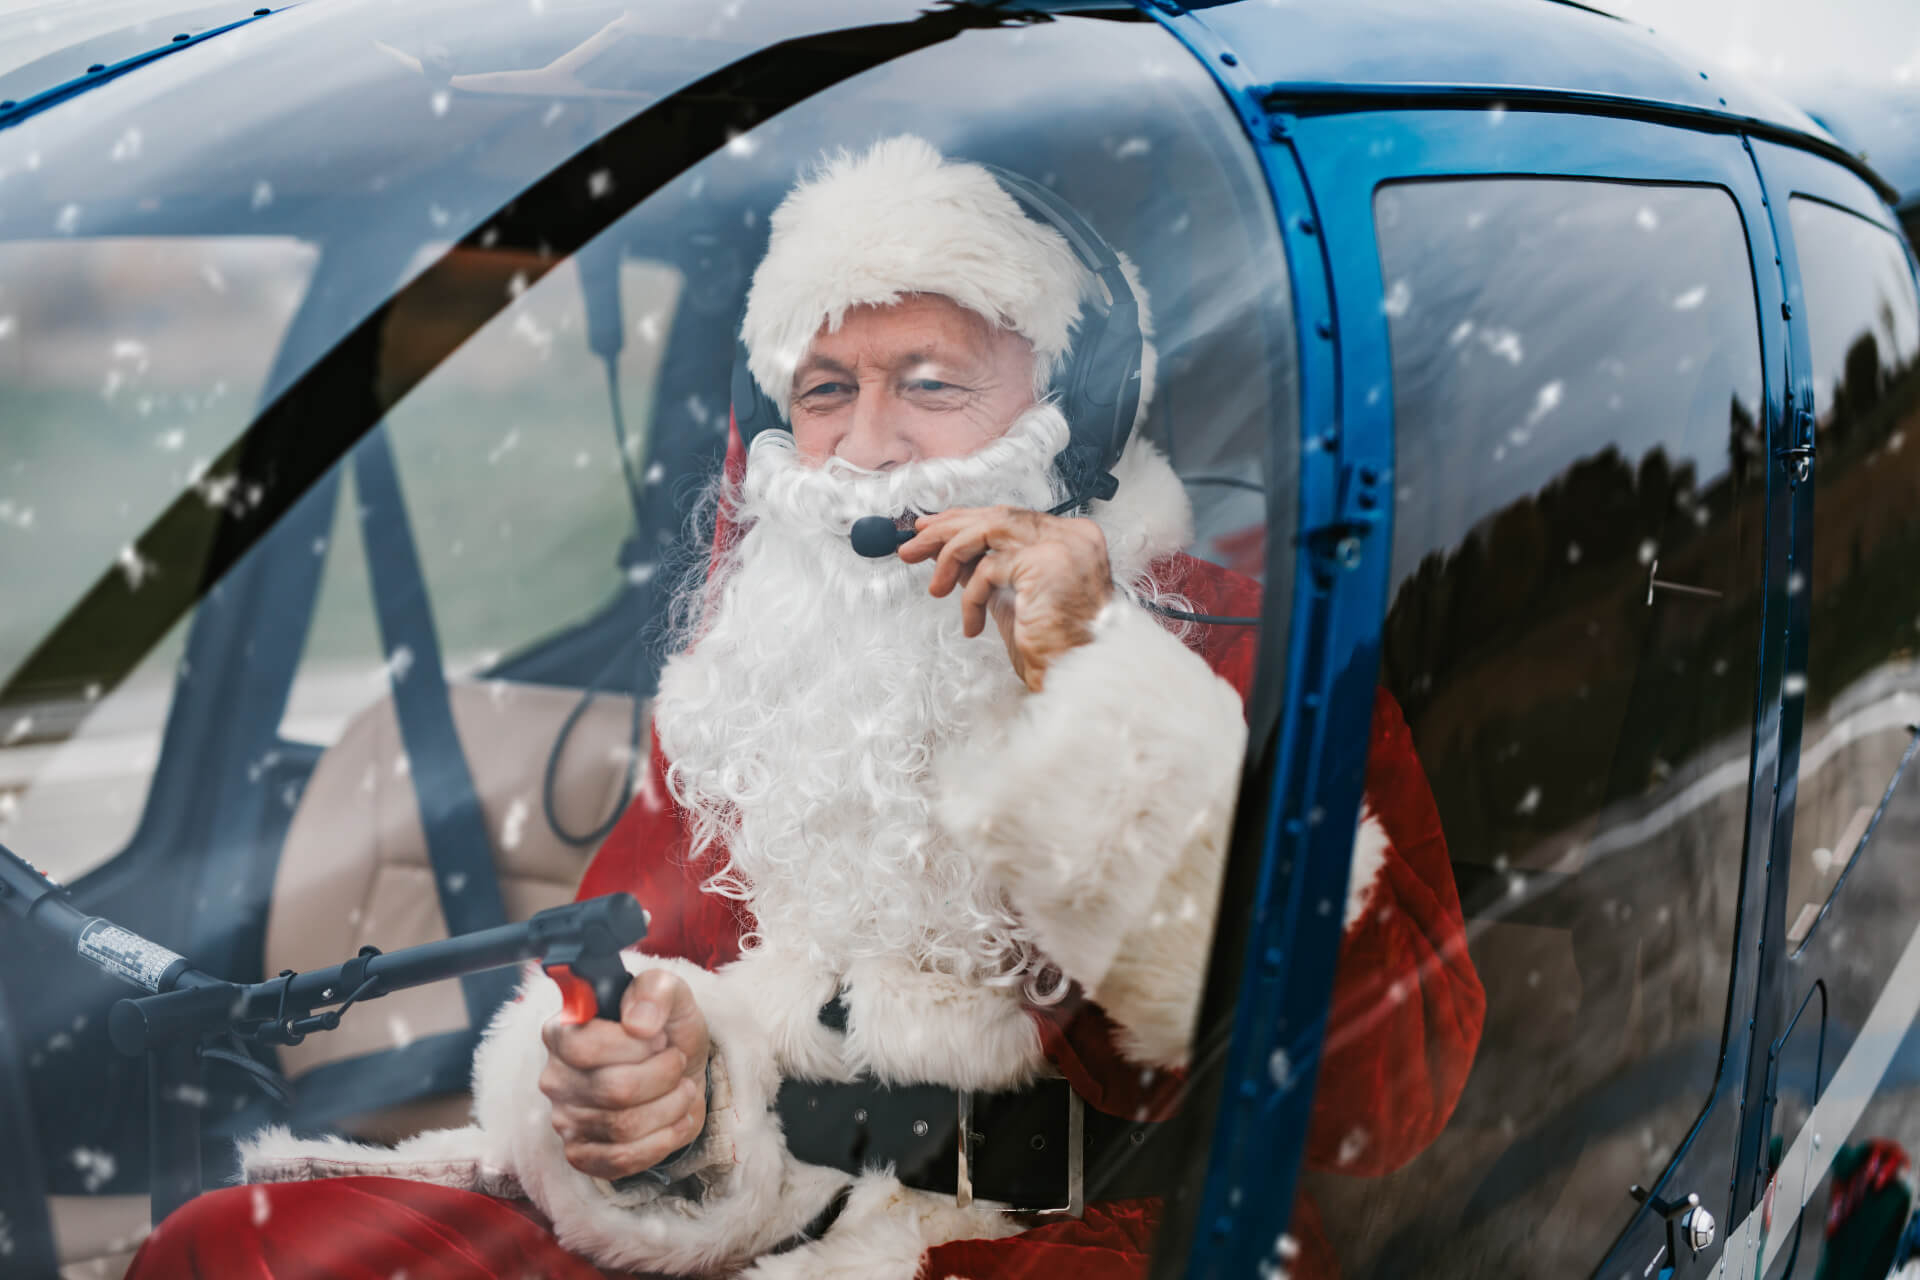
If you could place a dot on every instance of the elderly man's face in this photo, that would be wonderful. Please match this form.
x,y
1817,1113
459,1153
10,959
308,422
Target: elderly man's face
x,y
922,378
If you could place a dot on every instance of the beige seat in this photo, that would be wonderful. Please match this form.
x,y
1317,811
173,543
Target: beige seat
x,y
354,869
95,1237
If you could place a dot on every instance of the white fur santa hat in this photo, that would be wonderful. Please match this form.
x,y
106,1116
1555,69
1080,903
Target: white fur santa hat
x,y
899,219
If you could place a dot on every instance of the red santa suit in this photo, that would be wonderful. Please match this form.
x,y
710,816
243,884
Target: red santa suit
x,y
1089,819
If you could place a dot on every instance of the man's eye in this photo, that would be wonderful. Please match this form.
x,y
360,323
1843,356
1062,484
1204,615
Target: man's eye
x,y
930,384
825,389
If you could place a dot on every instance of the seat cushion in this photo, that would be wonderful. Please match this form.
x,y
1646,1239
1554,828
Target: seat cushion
x,y
354,869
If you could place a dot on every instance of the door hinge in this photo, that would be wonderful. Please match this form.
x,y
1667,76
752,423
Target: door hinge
x,y
1357,512
1797,457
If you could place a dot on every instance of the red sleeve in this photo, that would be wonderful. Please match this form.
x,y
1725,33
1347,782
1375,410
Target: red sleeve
x,y
1407,1004
646,855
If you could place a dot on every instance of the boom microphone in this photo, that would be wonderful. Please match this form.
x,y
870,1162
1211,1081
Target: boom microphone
x,y
877,536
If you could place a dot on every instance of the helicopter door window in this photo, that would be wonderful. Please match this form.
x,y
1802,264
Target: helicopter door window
x,y
515,498
1571,633
1862,684
126,364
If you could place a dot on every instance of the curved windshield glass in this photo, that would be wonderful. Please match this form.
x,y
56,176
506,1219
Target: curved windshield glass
x,y
472,286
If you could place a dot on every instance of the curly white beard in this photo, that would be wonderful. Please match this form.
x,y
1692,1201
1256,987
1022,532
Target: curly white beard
x,y
801,728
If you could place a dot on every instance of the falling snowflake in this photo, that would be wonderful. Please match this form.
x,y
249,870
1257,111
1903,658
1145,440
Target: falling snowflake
x,y
1528,802
1399,298
261,1209
68,220
514,828
96,1167
599,183
128,146
440,101
535,334
1504,343
1646,219
191,1095
21,728
135,568
399,663
262,195
1351,1146
1691,299
1546,401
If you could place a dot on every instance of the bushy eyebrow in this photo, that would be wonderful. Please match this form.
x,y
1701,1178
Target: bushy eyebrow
x,y
820,364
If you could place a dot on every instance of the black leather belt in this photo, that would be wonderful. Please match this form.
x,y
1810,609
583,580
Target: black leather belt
x,y
1032,1150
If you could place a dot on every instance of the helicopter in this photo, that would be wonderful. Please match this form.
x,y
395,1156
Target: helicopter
x,y
362,369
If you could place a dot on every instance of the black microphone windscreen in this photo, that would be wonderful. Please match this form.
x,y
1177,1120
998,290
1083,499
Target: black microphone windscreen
x,y
876,536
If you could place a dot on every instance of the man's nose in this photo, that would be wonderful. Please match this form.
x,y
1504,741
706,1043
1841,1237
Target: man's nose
x,y
873,439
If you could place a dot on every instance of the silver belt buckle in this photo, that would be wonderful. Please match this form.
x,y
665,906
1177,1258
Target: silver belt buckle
x,y
1076,1204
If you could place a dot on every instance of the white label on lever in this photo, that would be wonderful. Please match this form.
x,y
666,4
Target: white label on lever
x,y
127,954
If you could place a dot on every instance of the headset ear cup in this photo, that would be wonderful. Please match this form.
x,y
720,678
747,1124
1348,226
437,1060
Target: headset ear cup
x,y
1104,386
753,410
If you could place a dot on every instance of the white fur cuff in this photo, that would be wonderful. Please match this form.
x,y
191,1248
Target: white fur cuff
x,y
1105,810
756,1195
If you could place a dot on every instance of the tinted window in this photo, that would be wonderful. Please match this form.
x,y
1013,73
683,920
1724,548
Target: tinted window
x,y
1861,686
1571,635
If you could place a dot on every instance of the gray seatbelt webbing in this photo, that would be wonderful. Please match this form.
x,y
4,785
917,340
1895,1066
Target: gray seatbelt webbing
x,y
459,845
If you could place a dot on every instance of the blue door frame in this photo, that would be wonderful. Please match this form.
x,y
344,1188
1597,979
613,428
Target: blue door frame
x,y
1786,172
1324,160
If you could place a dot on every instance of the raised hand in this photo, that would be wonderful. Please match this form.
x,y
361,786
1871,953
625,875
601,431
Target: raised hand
x,y
1043,578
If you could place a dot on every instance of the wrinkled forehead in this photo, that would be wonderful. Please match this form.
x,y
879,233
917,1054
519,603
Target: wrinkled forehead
x,y
918,327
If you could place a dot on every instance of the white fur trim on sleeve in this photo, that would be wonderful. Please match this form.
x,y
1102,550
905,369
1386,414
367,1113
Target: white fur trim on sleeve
x,y
1104,809
459,1158
756,1194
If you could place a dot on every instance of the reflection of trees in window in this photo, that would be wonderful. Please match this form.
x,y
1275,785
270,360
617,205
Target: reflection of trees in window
x,y
1539,681
1866,528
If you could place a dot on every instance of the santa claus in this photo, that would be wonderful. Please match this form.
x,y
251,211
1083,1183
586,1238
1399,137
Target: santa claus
x,y
931,842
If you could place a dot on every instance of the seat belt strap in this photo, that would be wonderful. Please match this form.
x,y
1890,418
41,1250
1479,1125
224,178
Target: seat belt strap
x,y
459,846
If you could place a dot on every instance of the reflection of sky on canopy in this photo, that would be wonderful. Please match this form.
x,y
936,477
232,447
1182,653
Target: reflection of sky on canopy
x,y
1534,322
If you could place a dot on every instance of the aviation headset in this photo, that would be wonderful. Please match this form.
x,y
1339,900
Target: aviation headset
x,y
1098,390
